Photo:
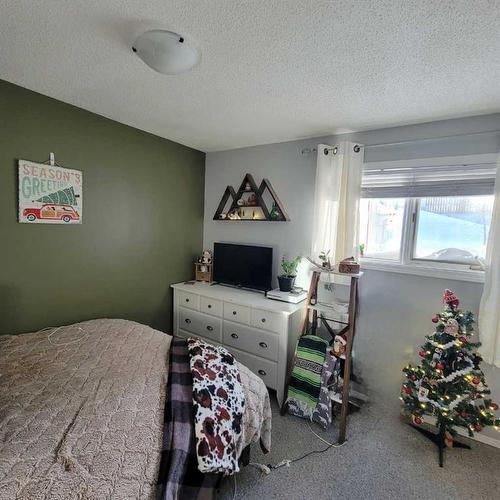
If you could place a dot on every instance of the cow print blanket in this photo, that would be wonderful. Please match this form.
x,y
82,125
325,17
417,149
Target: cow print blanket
x,y
219,404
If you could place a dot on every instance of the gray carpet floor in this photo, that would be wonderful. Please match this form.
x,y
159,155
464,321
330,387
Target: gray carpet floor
x,y
383,458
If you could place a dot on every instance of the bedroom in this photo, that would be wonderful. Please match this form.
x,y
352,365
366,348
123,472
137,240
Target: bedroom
x,y
273,83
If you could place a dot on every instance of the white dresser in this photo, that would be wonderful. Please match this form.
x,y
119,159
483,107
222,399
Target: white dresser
x,y
261,333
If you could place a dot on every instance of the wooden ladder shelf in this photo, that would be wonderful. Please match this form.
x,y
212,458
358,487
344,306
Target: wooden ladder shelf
x,y
349,331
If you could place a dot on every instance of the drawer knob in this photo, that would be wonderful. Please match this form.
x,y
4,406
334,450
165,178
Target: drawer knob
x,y
210,328
210,306
187,300
263,345
263,320
234,312
234,335
187,320
262,372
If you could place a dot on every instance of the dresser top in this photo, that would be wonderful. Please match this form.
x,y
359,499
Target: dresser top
x,y
237,296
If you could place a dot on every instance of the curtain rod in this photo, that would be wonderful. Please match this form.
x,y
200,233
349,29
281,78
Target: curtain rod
x,y
430,139
357,148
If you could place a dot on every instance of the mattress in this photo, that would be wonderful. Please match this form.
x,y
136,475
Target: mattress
x,y
81,411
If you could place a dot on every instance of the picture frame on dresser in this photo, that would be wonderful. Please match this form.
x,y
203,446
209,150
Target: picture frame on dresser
x,y
259,332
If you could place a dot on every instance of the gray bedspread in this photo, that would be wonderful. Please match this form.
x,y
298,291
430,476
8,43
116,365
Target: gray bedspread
x,y
81,412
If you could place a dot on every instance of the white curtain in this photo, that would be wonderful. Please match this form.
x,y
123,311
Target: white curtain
x,y
336,200
489,309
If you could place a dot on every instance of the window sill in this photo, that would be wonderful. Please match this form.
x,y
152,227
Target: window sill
x,y
424,270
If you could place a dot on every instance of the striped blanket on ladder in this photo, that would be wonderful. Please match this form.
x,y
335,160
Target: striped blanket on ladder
x,y
305,383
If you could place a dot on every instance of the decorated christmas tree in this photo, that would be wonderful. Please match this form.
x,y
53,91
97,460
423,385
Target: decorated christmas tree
x,y
449,385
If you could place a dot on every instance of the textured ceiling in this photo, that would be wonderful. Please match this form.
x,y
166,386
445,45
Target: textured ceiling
x,y
271,70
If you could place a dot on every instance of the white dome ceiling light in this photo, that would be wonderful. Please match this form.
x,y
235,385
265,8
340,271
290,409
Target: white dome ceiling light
x,y
166,52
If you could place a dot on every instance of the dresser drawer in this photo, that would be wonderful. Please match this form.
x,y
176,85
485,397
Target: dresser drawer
x,y
235,312
190,300
200,324
265,369
184,334
266,320
250,340
211,306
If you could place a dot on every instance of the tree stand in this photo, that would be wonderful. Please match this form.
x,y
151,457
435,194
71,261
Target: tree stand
x,y
438,440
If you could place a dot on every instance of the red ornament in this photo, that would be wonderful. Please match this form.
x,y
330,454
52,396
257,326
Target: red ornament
x,y
413,377
477,427
407,389
462,339
494,406
440,366
422,353
417,420
476,380
435,319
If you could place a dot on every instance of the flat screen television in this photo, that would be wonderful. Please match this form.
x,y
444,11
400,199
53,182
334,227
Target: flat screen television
x,y
244,266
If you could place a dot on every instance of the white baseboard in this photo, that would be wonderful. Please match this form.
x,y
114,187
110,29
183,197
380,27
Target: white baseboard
x,y
486,440
481,438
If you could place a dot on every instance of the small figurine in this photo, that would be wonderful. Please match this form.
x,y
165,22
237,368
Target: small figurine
x,y
325,261
207,257
339,345
252,200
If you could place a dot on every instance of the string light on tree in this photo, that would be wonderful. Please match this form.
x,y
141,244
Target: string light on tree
x,y
448,384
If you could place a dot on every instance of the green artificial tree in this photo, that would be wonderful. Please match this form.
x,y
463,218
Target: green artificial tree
x,y
449,385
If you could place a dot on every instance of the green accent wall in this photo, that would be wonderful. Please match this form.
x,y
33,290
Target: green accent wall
x,y
142,219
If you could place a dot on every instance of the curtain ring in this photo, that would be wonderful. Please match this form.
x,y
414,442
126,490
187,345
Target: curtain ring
x,y
333,150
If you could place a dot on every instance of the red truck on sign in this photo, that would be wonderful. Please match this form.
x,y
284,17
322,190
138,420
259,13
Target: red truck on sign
x,y
49,211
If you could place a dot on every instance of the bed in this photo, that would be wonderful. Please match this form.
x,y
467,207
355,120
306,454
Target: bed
x,y
81,411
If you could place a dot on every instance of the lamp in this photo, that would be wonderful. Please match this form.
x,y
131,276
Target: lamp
x,y
166,52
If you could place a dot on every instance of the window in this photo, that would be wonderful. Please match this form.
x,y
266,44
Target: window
x,y
381,227
433,213
453,229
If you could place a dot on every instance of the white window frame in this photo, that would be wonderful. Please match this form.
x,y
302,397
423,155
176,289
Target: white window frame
x,y
407,264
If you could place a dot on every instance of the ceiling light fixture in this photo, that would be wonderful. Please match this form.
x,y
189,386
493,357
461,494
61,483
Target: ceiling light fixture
x,y
166,52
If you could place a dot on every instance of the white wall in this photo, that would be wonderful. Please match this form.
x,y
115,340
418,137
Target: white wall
x,y
395,309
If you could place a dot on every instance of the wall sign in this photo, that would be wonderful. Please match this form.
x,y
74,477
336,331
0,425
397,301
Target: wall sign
x,y
49,194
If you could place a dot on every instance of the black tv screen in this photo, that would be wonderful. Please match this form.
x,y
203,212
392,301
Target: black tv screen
x,y
243,265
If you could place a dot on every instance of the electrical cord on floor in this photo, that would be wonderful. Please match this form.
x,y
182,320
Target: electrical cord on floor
x,y
267,469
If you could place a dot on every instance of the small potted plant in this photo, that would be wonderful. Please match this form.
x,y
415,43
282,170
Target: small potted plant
x,y
287,279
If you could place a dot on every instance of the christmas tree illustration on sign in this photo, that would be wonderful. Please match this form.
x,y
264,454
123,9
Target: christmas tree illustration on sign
x,y
49,194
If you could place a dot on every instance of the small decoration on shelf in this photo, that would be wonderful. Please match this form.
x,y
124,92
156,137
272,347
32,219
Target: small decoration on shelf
x,y
203,266
274,214
361,249
339,345
325,261
252,200
287,279
449,385
349,266
248,187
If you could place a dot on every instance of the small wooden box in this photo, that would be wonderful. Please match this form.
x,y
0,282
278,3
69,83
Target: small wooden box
x,y
203,272
348,266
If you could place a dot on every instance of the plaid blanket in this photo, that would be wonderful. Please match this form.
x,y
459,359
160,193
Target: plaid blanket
x,y
179,477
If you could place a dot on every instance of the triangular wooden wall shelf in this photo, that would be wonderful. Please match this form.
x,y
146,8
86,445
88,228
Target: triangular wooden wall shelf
x,y
248,203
